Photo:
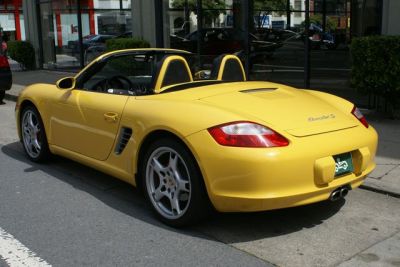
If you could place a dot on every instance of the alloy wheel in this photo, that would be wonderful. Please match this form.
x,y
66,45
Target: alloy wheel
x,y
168,183
31,133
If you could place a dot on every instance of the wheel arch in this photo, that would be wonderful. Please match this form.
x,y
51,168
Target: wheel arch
x,y
148,140
29,103
43,153
24,104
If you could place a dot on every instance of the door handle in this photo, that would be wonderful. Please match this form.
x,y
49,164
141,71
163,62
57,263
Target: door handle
x,y
111,117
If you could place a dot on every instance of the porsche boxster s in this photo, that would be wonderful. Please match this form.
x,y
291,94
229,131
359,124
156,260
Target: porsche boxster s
x,y
222,143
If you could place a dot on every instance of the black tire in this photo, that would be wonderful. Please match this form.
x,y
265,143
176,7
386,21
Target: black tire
x,y
34,141
2,95
196,206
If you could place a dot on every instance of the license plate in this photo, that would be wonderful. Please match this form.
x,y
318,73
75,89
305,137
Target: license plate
x,y
343,164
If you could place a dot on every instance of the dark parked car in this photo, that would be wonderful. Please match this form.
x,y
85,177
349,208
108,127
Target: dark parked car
x,y
97,49
217,41
319,38
89,41
5,76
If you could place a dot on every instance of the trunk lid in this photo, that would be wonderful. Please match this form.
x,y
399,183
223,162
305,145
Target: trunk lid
x,y
294,111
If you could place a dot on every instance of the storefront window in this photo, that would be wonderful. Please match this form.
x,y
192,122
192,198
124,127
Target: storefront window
x,y
208,34
181,29
100,20
330,39
366,17
12,19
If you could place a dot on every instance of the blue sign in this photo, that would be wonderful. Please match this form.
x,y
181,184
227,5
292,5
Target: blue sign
x,y
262,21
278,24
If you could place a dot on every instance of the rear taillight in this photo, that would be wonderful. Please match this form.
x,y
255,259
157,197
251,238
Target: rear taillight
x,y
357,113
4,62
246,134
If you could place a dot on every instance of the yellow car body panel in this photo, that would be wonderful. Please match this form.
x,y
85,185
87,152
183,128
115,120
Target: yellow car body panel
x,y
88,116
317,125
248,179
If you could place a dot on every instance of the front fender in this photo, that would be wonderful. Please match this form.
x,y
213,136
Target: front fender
x,y
41,96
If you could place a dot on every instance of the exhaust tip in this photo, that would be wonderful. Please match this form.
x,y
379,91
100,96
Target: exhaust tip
x,y
335,195
344,192
339,193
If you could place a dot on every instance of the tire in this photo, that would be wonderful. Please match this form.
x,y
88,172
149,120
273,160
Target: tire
x,y
33,135
2,95
173,184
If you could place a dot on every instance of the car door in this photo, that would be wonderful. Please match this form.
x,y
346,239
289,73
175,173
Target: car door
x,y
86,119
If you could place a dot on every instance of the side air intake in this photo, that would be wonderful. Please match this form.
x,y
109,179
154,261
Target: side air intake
x,y
123,138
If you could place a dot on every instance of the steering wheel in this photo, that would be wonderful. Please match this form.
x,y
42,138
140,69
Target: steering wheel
x,y
119,82
101,86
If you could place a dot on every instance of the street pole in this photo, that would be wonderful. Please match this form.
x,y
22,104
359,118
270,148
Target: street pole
x,y
246,12
199,30
288,15
307,46
158,5
80,38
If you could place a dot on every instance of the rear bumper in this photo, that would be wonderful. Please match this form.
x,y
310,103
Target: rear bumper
x,y
227,203
5,79
251,179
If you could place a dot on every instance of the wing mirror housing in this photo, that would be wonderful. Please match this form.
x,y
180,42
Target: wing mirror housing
x,y
66,83
202,75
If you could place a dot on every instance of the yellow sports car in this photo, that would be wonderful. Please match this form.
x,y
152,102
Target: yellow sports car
x,y
224,142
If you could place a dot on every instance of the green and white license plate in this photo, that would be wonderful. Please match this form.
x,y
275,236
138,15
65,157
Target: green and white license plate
x,y
343,164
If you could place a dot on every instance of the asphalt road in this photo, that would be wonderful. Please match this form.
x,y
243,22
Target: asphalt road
x,y
71,215
66,214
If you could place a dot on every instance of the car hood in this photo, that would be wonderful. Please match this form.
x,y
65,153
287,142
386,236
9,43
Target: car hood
x,y
295,111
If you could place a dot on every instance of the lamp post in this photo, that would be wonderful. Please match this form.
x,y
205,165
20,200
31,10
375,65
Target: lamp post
x,y
307,46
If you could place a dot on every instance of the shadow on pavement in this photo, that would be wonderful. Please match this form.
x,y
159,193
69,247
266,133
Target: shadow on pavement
x,y
235,227
243,227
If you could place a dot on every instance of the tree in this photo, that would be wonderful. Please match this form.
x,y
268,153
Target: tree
x,y
266,7
211,8
331,23
270,5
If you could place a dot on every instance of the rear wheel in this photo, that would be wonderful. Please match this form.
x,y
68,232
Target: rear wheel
x,y
173,183
33,135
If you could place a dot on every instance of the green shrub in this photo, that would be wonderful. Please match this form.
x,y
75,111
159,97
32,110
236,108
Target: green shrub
x,y
126,43
123,64
23,53
376,66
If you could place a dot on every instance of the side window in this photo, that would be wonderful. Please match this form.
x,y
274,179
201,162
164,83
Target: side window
x,y
126,74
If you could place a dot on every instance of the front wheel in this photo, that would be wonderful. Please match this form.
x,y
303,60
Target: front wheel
x,y
33,135
173,183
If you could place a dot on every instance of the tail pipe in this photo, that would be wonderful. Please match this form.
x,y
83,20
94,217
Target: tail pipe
x,y
339,193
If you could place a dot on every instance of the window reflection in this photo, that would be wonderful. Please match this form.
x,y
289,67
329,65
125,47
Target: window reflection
x,y
12,20
100,20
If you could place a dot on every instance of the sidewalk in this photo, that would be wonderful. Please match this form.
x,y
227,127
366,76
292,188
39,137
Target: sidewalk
x,y
384,179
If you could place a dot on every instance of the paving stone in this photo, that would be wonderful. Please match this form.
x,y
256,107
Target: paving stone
x,y
382,170
384,254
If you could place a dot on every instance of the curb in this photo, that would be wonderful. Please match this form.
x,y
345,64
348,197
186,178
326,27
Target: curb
x,y
380,191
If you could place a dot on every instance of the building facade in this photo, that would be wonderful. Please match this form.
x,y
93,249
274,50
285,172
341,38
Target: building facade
x,y
271,37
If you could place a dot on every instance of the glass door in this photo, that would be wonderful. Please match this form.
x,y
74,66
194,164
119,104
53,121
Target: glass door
x,y
59,26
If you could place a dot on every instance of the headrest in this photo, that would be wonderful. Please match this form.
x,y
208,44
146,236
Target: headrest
x,y
172,69
228,68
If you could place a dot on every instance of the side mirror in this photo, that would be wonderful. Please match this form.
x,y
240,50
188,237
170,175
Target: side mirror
x,y
202,75
66,83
